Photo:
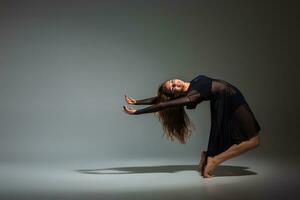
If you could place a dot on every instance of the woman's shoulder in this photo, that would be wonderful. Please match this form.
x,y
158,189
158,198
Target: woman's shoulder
x,y
200,77
201,83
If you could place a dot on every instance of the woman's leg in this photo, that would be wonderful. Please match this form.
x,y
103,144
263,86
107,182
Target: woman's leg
x,y
234,150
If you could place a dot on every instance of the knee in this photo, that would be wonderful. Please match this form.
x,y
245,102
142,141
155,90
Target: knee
x,y
255,141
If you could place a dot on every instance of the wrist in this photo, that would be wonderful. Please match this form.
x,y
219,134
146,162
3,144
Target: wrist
x,y
135,112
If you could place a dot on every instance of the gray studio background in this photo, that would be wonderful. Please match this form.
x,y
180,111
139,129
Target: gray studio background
x,y
66,65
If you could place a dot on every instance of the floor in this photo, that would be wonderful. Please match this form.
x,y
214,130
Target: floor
x,y
239,178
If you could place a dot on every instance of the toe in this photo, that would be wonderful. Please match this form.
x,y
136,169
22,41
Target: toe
x,y
207,175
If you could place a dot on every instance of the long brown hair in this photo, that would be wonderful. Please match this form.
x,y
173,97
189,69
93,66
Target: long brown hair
x,y
174,120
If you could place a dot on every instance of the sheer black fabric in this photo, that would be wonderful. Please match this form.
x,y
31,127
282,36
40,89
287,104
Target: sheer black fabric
x,y
189,99
147,101
232,120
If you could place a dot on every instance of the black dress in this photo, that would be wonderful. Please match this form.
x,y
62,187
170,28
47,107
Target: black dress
x,y
232,120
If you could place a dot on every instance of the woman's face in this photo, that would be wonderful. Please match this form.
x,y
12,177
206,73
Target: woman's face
x,y
174,86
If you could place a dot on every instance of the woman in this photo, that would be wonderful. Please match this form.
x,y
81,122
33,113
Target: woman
x,y
234,128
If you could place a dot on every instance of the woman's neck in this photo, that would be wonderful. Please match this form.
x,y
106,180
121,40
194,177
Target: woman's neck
x,y
186,86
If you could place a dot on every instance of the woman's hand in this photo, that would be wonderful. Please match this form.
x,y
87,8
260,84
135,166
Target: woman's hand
x,y
129,100
128,110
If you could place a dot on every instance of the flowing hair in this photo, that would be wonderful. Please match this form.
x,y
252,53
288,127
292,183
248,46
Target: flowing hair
x,y
174,120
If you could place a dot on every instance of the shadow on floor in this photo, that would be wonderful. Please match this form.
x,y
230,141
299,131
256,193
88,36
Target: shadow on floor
x,y
221,170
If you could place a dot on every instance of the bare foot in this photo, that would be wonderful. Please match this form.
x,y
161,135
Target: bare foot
x,y
201,163
209,167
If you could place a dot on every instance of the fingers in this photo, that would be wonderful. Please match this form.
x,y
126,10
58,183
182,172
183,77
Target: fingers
x,y
125,109
128,111
129,100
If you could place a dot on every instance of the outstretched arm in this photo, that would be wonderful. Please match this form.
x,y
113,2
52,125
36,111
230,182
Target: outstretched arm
x,y
181,101
147,101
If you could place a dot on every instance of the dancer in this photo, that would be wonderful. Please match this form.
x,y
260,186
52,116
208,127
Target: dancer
x,y
234,128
